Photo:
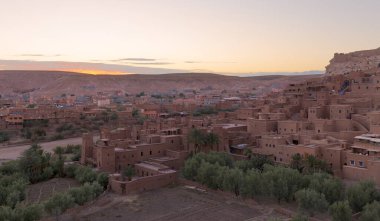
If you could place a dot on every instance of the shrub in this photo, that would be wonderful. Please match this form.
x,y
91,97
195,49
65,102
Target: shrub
x,y
59,203
102,179
309,200
340,211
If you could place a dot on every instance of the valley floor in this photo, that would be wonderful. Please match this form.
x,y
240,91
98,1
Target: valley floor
x,y
172,204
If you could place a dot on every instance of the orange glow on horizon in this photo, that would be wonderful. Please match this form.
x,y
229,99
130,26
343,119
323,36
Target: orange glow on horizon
x,y
96,72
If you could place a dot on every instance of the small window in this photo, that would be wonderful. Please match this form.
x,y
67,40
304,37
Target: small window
x,y
361,164
150,152
352,162
142,153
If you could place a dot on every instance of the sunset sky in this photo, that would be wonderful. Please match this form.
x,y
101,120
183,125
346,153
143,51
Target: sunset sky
x,y
224,36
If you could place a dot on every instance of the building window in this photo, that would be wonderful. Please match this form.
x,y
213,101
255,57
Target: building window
x,y
361,164
150,152
142,153
352,162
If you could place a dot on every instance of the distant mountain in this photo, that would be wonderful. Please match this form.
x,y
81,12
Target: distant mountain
x,y
282,73
58,82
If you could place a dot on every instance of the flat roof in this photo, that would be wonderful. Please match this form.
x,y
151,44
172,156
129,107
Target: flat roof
x,y
370,137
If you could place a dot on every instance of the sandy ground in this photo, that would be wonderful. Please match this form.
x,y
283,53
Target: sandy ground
x,y
13,152
171,204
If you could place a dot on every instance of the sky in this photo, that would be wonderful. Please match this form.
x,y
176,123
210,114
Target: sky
x,y
222,36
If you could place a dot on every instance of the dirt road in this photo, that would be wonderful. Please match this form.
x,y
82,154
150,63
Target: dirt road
x,y
13,152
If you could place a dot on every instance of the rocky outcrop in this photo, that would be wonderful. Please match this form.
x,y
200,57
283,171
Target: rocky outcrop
x,y
354,61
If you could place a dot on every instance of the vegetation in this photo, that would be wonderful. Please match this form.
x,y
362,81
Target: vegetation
x,y
371,212
4,137
205,111
309,164
141,94
340,211
34,166
202,139
361,194
313,189
310,201
128,172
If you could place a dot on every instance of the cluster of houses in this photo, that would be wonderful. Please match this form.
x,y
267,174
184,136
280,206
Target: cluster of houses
x,y
335,118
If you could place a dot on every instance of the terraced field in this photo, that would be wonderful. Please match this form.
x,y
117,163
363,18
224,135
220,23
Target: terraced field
x,y
172,204
41,191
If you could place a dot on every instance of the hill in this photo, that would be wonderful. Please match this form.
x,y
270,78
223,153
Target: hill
x,y
58,82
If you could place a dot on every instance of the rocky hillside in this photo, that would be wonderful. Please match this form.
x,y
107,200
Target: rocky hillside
x,y
56,82
354,61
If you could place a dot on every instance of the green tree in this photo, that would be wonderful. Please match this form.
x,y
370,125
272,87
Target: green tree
x,y
58,204
128,172
281,182
252,184
311,201
4,137
208,174
248,152
33,161
297,162
135,113
331,187
198,138
312,165
102,179
85,193
58,150
340,211
30,212
114,116
371,212
85,174
211,139
232,181
190,169
360,194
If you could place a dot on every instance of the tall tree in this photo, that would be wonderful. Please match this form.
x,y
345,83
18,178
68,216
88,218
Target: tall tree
x,y
197,137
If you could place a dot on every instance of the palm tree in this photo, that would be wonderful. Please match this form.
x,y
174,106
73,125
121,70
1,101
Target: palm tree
x,y
297,162
211,139
197,138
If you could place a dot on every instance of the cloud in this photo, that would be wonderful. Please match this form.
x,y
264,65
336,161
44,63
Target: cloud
x,y
135,59
138,68
193,62
209,62
150,63
39,55
140,61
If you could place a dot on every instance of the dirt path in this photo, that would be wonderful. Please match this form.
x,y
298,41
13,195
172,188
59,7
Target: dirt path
x,y
13,152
